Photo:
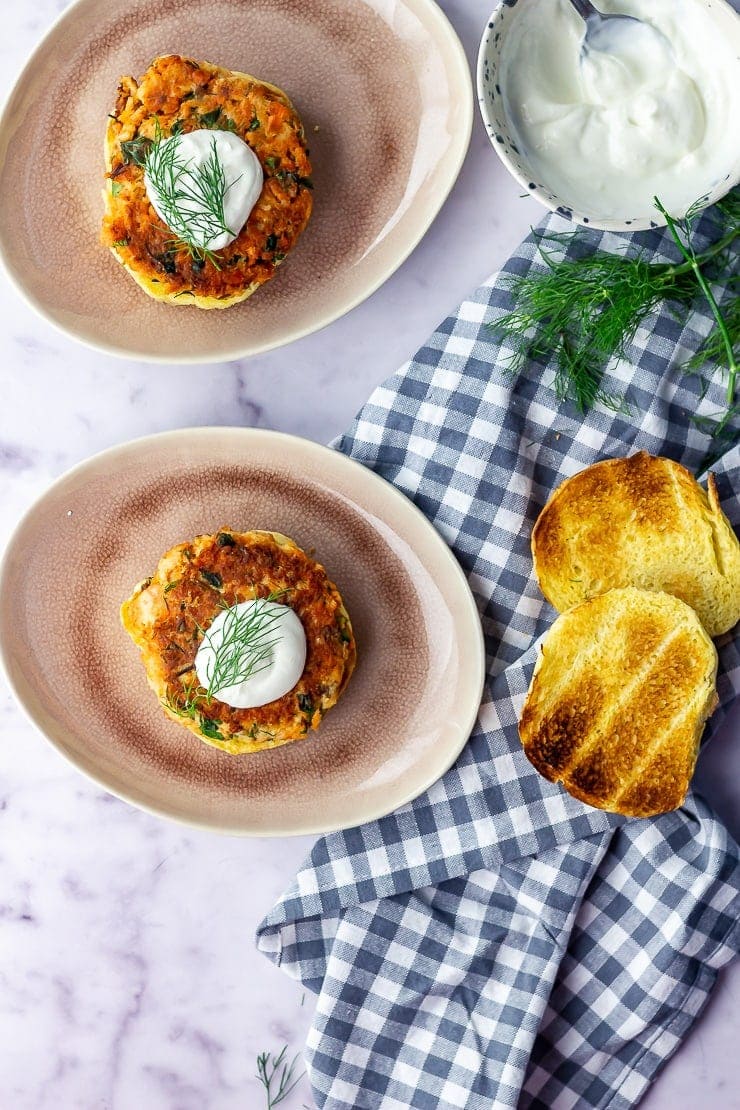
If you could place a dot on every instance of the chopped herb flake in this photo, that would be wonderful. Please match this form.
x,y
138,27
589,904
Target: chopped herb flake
x,y
212,578
209,728
134,151
210,119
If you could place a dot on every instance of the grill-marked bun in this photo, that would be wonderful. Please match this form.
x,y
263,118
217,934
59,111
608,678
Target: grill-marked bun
x,y
641,521
618,701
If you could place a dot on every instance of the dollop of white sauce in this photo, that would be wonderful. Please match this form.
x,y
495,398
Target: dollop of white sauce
x,y
275,674
242,184
648,113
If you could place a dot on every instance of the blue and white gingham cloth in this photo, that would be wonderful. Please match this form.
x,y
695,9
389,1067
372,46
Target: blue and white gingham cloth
x,y
496,943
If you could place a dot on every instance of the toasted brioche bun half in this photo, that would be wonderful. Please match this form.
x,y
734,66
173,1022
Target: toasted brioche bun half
x,y
618,701
640,521
179,93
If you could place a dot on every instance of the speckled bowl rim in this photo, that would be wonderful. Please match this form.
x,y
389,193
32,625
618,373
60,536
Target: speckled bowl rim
x,y
558,206
475,644
451,172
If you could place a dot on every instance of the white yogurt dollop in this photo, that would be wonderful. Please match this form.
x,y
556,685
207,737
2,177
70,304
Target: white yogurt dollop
x,y
258,647
204,166
656,113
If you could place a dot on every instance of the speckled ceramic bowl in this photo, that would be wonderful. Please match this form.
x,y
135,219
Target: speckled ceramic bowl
x,y
504,143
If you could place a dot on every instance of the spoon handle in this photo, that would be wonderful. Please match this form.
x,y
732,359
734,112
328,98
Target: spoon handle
x,y
585,8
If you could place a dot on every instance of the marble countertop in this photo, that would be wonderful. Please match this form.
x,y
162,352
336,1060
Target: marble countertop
x,y
129,974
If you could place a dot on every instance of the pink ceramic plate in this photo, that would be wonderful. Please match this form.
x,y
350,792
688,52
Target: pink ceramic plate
x,y
385,94
409,706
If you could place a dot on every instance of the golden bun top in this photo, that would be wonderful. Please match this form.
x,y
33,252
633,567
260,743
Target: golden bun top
x,y
641,521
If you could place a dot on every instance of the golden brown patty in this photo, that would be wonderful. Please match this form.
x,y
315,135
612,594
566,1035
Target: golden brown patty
x,y
167,613
180,93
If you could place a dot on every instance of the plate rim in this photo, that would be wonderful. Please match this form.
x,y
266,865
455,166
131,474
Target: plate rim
x,y
434,13
178,436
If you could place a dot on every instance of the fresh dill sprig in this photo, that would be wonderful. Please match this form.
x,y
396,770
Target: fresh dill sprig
x,y
722,339
186,706
191,198
729,206
583,311
203,254
242,649
277,1068
244,644
190,705
714,349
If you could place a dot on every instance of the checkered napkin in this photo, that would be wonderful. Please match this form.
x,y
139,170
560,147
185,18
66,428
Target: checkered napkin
x,y
496,943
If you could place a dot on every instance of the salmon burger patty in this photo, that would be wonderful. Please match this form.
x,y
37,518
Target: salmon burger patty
x,y
175,96
168,616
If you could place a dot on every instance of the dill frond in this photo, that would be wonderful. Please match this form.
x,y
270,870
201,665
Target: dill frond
x,y
583,310
276,1070
681,231
191,198
713,349
244,647
187,704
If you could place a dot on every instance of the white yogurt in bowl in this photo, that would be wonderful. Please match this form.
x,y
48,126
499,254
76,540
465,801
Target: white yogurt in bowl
x,y
597,134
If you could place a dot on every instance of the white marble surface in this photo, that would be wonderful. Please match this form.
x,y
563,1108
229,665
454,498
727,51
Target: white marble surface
x,y
128,971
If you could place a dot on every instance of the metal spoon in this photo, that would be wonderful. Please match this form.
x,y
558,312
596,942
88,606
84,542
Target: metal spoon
x,y
602,30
